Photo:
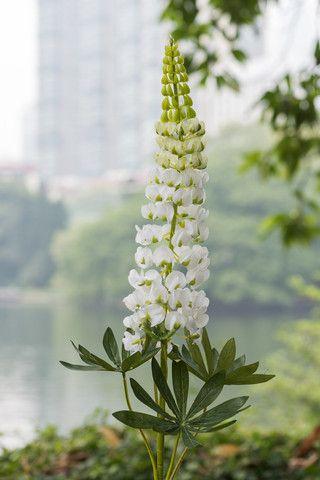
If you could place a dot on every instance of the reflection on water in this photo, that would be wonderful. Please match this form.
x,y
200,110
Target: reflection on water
x,y
36,390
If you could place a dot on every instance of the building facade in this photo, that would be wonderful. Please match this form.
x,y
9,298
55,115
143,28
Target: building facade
x,y
99,63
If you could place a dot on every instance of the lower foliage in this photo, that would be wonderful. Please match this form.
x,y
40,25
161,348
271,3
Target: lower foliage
x,y
99,452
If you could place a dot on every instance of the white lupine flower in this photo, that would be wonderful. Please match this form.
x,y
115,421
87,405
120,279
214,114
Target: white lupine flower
x,y
180,298
163,256
171,177
196,323
203,232
143,257
175,280
181,237
153,313
135,300
144,278
132,321
174,320
199,258
183,197
159,210
198,196
135,279
184,254
147,211
158,193
157,294
194,212
149,234
133,342
196,277
163,211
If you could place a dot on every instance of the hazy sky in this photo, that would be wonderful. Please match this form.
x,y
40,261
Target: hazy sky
x,y
18,32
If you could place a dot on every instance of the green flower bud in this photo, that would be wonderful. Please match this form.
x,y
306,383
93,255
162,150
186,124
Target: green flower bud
x,y
165,104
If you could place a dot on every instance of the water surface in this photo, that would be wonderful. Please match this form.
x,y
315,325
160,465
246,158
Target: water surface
x,y
36,390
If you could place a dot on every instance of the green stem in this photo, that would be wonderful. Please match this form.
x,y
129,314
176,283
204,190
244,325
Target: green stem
x,y
173,457
143,435
160,436
178,464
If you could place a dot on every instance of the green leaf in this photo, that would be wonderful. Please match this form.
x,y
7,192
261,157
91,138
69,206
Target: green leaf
x,y
196,356
239,362
111,347
137,359
84,368
180,381
188,439
124,353
227,355
94,359
207,394
215,429
163,387
241,372
220,413
251,379
145,398
83,357
144,421
209,353
193,367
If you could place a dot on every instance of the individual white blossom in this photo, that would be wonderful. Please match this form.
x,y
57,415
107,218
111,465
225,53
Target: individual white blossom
x,y
143,257
133,341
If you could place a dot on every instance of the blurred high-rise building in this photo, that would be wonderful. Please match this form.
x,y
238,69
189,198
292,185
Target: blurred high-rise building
x,y
99,63
99,78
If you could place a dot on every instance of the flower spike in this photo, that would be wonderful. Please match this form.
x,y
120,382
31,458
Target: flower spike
x,y
171,259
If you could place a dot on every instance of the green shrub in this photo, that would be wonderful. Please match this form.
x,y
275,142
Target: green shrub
x,y
98,452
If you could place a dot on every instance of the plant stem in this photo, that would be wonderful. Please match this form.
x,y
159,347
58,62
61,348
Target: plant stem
x,y
143,435
173,457
160,436
178,464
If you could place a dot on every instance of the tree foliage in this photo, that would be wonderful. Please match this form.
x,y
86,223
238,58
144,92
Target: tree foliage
x,y
92,260
291,107
28,223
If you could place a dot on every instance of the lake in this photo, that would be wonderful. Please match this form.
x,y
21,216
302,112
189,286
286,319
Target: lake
x,y
36,390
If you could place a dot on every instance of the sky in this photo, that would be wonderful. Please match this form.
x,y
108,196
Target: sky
x,y
18,55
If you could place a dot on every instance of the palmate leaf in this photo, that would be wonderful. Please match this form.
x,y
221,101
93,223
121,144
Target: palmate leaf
x,y
120,364
211,362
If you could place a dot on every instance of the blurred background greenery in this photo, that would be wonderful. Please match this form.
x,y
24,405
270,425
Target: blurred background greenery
x,y
64,261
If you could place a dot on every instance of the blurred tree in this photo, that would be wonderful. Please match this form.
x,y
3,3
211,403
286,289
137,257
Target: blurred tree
x,y
28,223
92,260
291,107
296,390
